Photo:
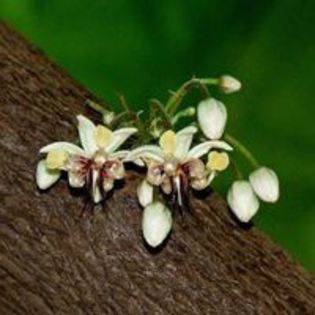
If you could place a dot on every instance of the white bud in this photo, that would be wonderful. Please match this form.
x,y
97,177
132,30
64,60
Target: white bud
x,y
145,193
229,84
242,200
156,223
212,117
265,183
108,117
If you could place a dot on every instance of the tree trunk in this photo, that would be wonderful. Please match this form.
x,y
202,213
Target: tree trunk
x,y
55,262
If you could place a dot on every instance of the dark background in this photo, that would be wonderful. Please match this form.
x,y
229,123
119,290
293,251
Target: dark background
x,y
144,48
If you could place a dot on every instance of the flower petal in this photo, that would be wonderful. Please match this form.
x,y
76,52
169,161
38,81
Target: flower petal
x,y
178,190
76,179
96,192
119,137
45,177
199,184
151,152
218,161
155,174
156,223
102,136
212,117
87,134
56,159
62,146
203,148
145,193
119,155
211,177
183,141
168,142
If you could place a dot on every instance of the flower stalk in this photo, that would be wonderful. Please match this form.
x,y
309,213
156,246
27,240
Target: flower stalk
x,y
242,149
177,97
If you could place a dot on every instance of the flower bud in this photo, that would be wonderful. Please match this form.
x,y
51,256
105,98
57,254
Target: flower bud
x,y
242,200
156,223
265,183
212,117
156,128
229,84
108,118
145,193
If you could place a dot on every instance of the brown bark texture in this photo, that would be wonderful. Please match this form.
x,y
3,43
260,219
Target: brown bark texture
x,y
52,261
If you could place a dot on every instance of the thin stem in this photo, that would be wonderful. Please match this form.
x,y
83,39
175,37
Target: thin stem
x,y
209,81
237,172
242,149
124,103
98,107
188,112
160,107
133,116
177,97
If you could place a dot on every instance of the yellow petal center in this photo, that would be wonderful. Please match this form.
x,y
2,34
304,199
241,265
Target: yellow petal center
x,y
56,159
218,161
102,136
168,142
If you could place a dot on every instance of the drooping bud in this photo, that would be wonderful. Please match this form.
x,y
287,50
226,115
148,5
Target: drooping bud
x,y
212,117
156,223
242,200
265,183
145,193
108,118
229,84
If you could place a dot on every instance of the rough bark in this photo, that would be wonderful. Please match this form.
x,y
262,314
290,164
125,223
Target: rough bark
x,y
55,262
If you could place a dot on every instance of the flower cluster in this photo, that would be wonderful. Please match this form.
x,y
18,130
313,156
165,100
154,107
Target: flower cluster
x,y
95,166
175,161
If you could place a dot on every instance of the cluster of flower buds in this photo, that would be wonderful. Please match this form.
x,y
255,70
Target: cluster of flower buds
x,y
176,161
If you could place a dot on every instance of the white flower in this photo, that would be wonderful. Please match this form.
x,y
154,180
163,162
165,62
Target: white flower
x,y
173,165
212,117
265,183
229,84
95,167
242,200
156,223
